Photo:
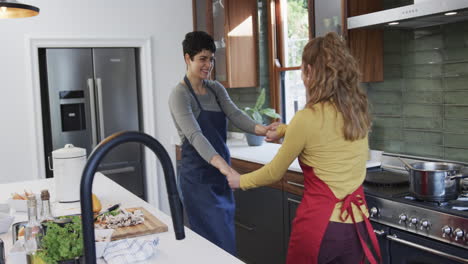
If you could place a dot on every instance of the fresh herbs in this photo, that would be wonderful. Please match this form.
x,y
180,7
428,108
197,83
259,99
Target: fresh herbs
x,y
62,242
113,212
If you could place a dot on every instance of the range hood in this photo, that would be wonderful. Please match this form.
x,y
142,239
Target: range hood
x,y
423,13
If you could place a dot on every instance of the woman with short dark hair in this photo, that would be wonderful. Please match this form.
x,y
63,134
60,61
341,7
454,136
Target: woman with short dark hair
x,y
200,109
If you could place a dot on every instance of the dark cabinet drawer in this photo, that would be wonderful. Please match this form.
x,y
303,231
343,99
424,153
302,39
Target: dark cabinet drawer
x,y
259,225
290,204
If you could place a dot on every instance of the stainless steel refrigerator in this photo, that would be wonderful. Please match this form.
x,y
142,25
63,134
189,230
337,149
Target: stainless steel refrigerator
x,y
87,95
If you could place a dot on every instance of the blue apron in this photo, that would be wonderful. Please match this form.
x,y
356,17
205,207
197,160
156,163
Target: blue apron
x,y
208,199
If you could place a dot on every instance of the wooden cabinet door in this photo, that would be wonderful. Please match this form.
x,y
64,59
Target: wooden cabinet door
x,y
242,31
328,17
366,45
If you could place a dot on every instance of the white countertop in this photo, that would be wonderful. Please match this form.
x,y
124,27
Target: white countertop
x,y
264,154
192,249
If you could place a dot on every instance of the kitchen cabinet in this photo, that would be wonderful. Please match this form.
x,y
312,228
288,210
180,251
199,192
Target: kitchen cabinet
x,y
233,25
259,225
290,204
366,45
293,187
328,17
259,220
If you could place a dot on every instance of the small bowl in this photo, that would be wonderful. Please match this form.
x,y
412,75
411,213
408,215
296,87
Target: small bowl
x,y
18,205
5,222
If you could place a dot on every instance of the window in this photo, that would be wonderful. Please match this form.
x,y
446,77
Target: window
x,y
293,93
292,24
295,30
294,35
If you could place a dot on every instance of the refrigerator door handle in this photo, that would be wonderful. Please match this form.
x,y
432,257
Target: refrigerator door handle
x,y
92,103
100,110
50,163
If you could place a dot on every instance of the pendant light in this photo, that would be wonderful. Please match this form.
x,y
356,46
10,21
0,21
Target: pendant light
x,y
13,9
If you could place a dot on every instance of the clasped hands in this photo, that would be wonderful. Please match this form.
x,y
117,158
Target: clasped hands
x,y
270,134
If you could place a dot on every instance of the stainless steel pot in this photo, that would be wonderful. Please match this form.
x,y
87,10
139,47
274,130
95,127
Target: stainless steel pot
x,y
435,181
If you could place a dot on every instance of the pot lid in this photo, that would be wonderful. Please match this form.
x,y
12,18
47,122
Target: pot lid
x,y
69,151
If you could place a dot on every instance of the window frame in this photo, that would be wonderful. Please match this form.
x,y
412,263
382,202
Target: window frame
x,y
276,43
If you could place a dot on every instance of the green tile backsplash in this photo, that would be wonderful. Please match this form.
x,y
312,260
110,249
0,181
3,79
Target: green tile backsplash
x,y
421,107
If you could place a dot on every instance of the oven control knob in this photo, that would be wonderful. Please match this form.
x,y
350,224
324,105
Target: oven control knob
x,y
446,231
458,233
403,218
374,211
425,224
413,221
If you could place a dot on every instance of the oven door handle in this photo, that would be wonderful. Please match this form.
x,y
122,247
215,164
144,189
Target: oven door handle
x,y
394,238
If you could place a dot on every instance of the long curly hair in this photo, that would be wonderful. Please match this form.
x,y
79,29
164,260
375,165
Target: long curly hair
x,y
331,74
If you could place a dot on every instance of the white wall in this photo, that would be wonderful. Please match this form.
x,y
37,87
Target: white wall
x,y
166,22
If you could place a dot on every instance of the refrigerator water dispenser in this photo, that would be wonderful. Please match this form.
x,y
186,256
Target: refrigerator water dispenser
x,y
73,117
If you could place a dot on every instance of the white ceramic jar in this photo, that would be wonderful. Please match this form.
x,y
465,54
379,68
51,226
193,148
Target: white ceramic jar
x,y
68,165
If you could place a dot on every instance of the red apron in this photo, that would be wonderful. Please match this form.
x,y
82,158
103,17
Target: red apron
x,y
313,216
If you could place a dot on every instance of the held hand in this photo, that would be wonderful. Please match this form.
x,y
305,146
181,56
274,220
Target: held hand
x,y
261,130
233,179
218,162
273,126
225,170
272,136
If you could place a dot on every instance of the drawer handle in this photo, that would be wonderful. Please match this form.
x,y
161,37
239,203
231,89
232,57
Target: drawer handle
x,y
119,170
248,228
294,200
295,184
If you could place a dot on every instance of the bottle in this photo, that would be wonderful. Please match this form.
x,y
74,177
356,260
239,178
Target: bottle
x,y
33,229
46,211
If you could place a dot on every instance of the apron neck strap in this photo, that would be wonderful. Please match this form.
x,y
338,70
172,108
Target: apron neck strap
x,y
189,85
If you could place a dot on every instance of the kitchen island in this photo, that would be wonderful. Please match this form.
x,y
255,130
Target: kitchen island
x,y
192,249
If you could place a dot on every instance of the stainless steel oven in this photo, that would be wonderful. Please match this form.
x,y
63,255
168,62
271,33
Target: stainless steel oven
x,y
412,231
400,247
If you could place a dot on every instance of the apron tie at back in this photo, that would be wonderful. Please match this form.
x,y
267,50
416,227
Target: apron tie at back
x,y
347,209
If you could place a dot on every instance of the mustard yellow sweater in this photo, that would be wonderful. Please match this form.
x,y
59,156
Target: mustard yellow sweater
x,y
315,135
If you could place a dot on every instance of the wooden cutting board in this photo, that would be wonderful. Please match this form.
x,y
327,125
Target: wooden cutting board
x,y
152,225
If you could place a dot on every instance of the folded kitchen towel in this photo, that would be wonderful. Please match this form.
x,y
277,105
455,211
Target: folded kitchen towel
x,y
130,251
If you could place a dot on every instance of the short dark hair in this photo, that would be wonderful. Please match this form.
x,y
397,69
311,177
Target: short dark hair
x,y
197,41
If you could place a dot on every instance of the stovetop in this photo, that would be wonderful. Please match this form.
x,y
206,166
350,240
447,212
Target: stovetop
x,y
394,206
400,193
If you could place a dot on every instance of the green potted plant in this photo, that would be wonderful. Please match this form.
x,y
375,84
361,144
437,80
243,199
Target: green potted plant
x,y
258,113
62,243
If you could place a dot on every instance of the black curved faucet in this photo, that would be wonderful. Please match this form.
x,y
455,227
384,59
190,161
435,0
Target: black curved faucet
x,y
87,183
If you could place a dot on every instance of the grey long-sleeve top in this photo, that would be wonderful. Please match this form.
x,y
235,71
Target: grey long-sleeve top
x,y
185,110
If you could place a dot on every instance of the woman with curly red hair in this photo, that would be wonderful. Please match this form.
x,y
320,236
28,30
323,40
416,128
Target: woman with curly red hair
x,y
329,136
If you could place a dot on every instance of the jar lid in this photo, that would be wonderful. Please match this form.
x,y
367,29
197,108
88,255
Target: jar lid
x,y
69,151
